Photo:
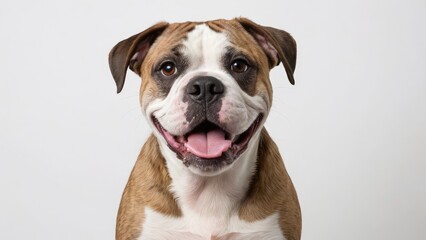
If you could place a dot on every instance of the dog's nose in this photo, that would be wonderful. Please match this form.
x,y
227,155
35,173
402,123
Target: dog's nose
x,y
205,88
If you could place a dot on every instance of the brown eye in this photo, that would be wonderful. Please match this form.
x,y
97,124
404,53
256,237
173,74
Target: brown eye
x,y
239,66
168,69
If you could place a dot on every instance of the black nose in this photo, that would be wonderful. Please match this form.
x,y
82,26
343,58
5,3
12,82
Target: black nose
x,y
205,89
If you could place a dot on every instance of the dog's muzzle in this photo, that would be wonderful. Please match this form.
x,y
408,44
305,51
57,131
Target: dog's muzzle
x,y
208,145
209,142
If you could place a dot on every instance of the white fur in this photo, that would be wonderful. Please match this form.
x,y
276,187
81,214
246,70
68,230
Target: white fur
x,y
209,203
160,227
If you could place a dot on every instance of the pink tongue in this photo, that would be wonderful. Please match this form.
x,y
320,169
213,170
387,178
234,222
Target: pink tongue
x,y
208,145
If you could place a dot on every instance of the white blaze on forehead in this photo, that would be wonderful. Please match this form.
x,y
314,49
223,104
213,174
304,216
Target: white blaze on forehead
x,y
205,47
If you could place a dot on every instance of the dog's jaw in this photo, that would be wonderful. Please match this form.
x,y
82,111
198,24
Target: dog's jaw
x,y
224,152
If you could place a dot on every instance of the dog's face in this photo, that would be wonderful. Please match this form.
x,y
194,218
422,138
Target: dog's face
x,y
205,86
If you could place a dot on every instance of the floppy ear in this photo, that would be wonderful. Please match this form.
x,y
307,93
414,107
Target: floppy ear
x,y
131,53
277,44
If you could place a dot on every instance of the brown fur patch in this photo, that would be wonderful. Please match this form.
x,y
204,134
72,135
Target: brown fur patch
x,y
272,191
147,187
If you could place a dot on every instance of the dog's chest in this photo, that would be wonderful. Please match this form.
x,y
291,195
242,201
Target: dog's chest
x,y
191,227
210,206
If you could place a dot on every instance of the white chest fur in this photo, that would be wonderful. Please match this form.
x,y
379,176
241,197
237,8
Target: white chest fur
x,y
160,227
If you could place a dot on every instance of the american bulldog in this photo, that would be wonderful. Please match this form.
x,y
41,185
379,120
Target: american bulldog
x,y
209,170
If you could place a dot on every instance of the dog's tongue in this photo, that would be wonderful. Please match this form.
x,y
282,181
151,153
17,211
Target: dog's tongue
x,y
209,144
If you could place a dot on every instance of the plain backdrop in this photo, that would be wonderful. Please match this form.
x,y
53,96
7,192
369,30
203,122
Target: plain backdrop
x,y
352,130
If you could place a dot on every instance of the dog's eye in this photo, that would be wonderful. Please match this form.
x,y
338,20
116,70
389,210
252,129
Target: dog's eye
x,y
239,66
168,69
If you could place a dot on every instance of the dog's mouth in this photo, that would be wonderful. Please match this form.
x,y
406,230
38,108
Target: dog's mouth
x,y
208,144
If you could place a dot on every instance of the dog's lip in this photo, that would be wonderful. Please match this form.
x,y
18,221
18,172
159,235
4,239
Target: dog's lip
x,y
238,145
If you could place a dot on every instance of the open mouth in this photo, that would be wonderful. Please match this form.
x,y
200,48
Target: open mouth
x,y
207,143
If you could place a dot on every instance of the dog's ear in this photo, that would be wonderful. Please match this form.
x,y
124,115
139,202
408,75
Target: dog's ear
x,y
131,52
278,45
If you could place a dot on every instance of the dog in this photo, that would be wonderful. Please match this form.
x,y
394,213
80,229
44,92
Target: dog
x,y
209,170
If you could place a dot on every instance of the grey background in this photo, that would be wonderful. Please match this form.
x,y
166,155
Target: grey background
x,y
352,130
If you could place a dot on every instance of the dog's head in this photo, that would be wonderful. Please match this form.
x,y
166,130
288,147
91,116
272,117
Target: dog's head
x,y
205,86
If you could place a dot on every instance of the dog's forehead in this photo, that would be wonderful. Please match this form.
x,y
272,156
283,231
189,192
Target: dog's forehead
x,y
204,45
197,39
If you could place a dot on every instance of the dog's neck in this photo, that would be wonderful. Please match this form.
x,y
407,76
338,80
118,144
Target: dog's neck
x,y
215,196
